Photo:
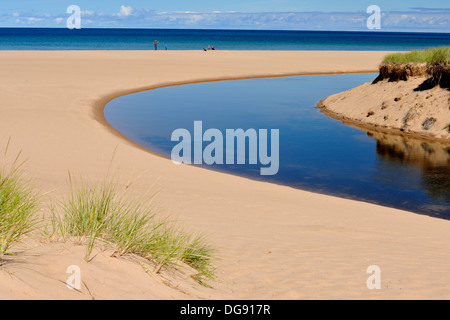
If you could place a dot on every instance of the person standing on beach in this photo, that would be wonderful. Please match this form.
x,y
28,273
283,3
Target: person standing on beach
x,y
167,48
155,43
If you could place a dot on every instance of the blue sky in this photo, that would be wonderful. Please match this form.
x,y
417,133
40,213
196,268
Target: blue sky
x,y
400,15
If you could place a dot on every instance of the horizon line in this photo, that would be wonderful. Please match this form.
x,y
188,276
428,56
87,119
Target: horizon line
x,y
233,29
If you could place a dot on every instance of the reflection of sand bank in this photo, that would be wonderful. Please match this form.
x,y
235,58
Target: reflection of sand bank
x,y
433,158
419,152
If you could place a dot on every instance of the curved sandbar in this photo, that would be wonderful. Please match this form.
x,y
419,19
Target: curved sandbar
x,y
273,241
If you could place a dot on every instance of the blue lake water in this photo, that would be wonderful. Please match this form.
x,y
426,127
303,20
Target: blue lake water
x,y
188,39
317,153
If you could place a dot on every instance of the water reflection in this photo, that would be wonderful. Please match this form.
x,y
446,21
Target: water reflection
x,y
317,153
431,158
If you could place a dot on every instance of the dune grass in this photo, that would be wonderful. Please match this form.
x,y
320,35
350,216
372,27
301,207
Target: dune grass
x,y
431,62
85,214
18,206
433,55
101,213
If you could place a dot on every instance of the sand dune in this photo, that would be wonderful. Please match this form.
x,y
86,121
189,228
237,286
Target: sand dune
x,y
404,107
273,242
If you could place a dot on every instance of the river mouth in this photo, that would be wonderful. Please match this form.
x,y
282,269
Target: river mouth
x,y
316,153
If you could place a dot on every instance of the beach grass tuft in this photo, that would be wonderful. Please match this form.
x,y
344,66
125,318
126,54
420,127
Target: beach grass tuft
x,y
102,213
198,255
18,206
433,55
85,214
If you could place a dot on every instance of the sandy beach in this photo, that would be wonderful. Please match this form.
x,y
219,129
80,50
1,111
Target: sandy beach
x,y
273,242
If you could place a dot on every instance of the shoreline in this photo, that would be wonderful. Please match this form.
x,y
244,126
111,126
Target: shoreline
x,y
407,107
377,128
100,105
274,242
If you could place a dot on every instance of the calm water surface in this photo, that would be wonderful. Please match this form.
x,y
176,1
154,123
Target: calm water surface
x,y
186,39
317,153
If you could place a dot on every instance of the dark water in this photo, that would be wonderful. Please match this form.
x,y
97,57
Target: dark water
x,y
317,153
184,39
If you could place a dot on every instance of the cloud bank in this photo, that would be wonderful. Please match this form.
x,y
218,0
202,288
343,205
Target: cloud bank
x,y
417,19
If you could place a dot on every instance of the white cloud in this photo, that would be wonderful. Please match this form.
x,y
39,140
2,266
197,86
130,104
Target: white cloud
x,y
87,13
33,19
16,14
59,20
194,19
125,11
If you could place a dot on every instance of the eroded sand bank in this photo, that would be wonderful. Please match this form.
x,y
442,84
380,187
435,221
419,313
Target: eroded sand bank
x,y
412,108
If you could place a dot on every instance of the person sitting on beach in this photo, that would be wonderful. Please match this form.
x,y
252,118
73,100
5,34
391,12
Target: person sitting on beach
x,y
204,49
155,43
213,48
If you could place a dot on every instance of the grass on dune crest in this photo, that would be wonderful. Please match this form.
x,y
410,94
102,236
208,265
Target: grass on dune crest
x,y
434,63
434,55
103,213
